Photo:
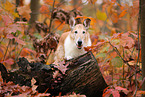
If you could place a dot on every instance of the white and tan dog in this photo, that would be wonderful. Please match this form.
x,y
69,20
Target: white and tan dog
x,y
72,43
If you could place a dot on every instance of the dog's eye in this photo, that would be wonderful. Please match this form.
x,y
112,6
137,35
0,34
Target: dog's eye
x,y
84,32
76,32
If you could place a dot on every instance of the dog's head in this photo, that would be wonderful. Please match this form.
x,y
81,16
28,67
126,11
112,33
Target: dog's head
x,y
79,32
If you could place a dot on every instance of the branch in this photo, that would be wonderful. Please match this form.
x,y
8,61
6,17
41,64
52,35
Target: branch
x,y
7,49
138,27
116,50
51,16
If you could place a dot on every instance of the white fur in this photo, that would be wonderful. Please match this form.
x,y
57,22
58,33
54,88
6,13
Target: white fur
x,y
71,50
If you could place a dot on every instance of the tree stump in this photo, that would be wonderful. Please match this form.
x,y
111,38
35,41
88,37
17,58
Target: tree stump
x,y
84,77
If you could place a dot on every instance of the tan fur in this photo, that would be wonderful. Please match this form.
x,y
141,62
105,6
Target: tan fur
x,y
68,48
59,54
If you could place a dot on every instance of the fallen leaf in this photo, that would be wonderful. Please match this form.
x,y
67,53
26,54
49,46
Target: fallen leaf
x,y
62,67
34,87
55,74
42,95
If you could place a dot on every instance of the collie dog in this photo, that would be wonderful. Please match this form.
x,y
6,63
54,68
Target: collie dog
x,y
72,43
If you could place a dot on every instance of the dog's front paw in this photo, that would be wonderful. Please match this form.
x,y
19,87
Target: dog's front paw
x,y
68,57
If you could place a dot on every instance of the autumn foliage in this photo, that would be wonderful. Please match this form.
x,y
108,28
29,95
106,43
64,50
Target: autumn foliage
x,y
114,33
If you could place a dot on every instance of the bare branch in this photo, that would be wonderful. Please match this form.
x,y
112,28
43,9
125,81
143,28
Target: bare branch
x,y
51,16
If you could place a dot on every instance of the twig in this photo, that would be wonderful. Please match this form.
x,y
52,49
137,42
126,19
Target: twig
x,y
123,70
138,27
62,2
1,40
19,54
142,83
49,54
51,16
114,48
7,49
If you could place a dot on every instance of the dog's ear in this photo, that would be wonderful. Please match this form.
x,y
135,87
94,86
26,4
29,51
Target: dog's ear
x,y
86,23
72,22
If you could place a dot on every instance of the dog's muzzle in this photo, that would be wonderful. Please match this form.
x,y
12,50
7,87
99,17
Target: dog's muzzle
x,y
79,44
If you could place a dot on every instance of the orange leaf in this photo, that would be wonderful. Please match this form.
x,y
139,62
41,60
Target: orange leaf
x,y
106,92
32,51
1,53
50,2
114,17
122,13
140,92
59,25
27,51
44,9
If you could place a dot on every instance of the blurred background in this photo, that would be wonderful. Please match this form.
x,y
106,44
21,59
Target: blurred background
x,y
31,29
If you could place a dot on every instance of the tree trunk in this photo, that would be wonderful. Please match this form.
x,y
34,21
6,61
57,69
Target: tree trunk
x,y
142,20
34,5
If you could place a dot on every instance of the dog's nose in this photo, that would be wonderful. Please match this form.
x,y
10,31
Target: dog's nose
x,y
80,42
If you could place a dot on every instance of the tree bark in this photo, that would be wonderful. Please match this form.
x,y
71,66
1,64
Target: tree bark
x,y
84,77
34,5
142,20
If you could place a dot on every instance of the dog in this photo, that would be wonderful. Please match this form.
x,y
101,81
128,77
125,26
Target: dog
x,y
72,43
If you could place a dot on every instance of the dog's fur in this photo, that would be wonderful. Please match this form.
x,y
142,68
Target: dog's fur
x,y
72,43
